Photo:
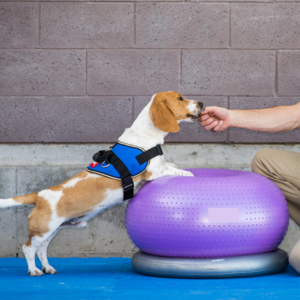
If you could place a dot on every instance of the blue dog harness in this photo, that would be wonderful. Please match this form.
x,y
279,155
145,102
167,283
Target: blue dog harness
x,y
123,162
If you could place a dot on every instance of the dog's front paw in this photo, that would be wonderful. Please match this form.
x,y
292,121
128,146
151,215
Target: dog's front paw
x,y
171,165
187,174
49,270
35,272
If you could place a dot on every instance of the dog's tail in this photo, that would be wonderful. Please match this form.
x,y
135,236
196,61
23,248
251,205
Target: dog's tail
x,y
21,200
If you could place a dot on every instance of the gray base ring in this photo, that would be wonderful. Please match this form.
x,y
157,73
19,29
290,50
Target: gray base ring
x,y
226,267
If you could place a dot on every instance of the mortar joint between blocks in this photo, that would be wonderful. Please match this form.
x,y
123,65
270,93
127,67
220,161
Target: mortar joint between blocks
x,y
39,25
86,72
276,74
134,24
229,25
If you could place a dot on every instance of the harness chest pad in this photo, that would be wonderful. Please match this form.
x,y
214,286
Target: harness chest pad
x,y
127,154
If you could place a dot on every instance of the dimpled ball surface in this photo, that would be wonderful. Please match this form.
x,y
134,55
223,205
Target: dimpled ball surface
x,y
216,213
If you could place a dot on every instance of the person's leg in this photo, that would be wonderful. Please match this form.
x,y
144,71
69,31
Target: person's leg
x,y
283,168
295,257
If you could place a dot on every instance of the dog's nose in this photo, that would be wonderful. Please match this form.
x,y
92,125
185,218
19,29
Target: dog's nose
x,y
200,104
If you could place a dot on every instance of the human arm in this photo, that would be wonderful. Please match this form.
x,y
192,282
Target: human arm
x,y
275,119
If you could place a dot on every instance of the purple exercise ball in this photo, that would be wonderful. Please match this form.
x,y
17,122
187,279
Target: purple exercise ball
x,y
217,213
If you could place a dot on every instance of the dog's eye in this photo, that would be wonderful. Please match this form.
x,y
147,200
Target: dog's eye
x,y
180,98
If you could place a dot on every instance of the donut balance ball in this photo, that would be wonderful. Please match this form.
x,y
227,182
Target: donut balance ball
x,y
216,213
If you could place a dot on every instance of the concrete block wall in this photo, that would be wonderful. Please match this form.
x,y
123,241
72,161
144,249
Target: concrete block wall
x,y
74,74
79,71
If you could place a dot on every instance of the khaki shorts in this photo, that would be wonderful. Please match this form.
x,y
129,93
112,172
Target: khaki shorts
x,y
283,168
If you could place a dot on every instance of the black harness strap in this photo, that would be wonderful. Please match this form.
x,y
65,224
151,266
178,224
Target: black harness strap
x,y
149,154
110,157
126,178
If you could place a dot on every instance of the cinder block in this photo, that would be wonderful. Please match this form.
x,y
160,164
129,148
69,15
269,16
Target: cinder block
x,y
189,132
246,136
223,72
289,73
42,154
19,25
35,179
132,72
207,1
20,121
296,1
47,0
8,244
101,119
7,182
169,25
42,72
136,0
67,25
265,26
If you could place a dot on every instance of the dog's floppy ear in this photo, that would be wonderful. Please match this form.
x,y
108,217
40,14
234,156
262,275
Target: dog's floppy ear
x,y
161,115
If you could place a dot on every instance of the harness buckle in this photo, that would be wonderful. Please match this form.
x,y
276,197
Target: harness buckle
x,y
159,150
127,182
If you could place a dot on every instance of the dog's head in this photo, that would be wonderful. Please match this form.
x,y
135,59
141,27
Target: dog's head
x,y
168,109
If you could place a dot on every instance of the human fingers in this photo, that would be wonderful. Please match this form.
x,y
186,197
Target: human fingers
x,y
203,117
211,125
218,128
207,122
208,110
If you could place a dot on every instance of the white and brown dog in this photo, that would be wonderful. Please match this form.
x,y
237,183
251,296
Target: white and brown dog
x,y
85,195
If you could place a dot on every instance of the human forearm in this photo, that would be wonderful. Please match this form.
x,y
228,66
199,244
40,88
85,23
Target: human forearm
x,y
276,119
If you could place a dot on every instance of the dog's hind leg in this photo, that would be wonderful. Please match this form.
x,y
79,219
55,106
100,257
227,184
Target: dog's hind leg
x,y
43,223
29,250
39,232
42,254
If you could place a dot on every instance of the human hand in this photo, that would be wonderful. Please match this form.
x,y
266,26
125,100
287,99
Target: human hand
x,y
215,118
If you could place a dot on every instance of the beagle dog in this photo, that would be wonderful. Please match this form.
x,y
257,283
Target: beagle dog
x,y
80,198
